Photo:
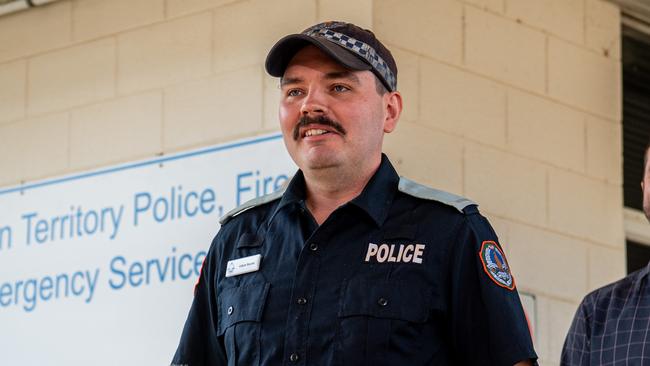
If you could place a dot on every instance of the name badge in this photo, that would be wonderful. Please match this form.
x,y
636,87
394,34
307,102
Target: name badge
x,y
240,266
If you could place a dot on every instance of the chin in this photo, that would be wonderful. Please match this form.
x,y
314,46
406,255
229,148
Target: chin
x,y
319,165
321,162
319,158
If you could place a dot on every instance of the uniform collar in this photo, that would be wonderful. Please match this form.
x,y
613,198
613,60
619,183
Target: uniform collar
x,y
295,192
377,196
375,199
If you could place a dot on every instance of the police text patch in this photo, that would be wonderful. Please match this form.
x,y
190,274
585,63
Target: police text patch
x,y
400,253
495,265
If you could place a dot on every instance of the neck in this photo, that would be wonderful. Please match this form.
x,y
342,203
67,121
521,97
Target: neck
x,y
328,189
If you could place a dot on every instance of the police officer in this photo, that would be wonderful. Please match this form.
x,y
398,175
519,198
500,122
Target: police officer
x,y
351,264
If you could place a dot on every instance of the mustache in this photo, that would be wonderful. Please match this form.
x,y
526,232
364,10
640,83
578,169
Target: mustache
x,y
305,121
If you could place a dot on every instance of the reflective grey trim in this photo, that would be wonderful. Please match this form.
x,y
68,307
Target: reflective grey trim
x,y
360,48
421,191
252,203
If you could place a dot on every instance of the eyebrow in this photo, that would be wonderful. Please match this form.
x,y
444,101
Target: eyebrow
x,y
328,76
285,81
342,75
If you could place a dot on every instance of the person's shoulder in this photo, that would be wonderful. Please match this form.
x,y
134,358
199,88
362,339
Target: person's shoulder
x,y
422,192
254,205
617,289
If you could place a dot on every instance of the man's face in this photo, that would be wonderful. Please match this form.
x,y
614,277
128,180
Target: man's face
x,y
645,186
331,116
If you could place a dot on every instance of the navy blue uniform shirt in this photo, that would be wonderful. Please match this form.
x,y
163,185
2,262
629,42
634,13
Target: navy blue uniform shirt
x,y
393,277
612,325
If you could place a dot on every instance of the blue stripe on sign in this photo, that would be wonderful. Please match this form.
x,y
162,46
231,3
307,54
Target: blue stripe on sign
x,y
140,164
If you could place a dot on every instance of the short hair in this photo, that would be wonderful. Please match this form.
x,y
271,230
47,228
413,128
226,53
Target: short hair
x,y
381,88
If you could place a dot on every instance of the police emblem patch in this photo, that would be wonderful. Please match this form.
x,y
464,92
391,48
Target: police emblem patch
x,y
495,265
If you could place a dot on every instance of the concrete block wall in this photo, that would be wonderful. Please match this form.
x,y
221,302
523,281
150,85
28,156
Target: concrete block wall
x,y
513,103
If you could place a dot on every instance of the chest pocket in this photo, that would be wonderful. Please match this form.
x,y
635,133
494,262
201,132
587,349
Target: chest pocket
x,y
382,322
240,314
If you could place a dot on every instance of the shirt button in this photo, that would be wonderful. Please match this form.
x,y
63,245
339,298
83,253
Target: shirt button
x,y
382,301
313,246
230,310
302,301
294,357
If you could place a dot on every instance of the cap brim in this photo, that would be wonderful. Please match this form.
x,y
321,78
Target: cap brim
x,y
283,51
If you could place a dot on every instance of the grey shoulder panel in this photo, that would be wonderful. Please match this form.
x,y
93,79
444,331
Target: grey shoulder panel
x,y
421,191
250,204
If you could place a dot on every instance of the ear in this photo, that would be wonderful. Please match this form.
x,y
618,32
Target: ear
x,y
393,109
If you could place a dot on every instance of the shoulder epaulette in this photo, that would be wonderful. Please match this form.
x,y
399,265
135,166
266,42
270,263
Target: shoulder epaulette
x,y
421,191
252,203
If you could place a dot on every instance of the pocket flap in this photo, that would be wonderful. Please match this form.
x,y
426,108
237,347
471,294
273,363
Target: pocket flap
x,y
241,304
385,299
249,240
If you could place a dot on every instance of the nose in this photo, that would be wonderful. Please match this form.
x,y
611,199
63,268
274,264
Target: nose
x,y
314,103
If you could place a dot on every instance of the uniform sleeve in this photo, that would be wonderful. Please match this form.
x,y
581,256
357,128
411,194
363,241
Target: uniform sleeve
x,y
577,344
488,324
199,344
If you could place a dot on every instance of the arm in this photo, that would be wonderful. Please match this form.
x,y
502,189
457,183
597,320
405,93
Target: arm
x,y
487,319
199,344
524,363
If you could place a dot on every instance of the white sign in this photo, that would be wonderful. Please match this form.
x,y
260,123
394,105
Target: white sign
x,y
98,268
